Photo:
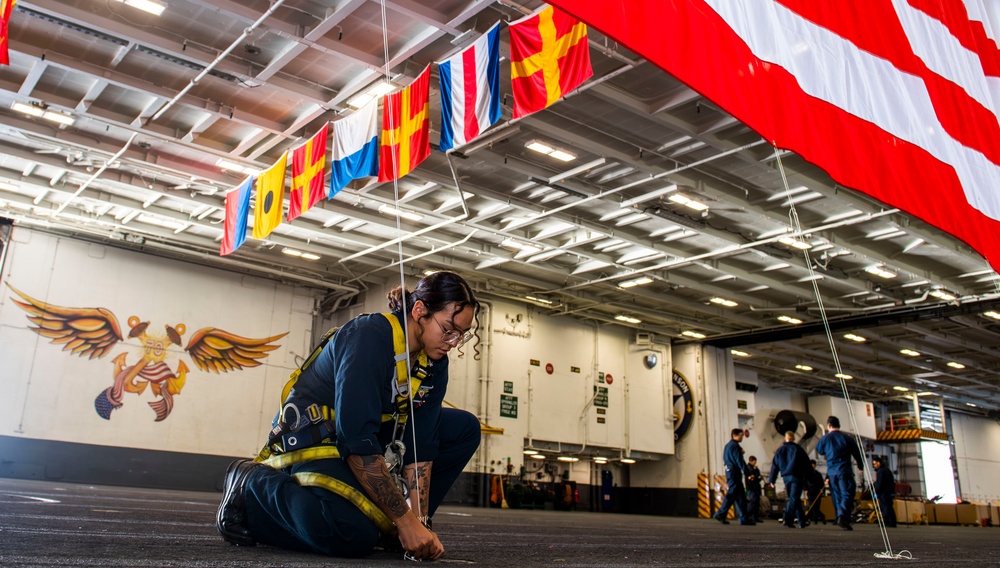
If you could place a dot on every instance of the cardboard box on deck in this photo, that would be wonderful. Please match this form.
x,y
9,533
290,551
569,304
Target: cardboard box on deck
x,y
966,514
826,507
982,514
909,512
945,514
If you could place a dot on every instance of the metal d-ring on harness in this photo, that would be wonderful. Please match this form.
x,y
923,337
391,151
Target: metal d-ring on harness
x,y
311,435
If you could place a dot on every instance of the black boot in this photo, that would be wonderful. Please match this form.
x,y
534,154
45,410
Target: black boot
x,y
231,519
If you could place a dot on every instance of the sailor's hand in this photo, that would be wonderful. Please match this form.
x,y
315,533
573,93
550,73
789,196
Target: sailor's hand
x,y
417,539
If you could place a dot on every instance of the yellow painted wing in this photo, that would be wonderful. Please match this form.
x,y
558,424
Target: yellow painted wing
x,y
217,350
87,332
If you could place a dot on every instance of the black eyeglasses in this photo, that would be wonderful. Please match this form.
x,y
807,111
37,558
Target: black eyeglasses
x,y
453,337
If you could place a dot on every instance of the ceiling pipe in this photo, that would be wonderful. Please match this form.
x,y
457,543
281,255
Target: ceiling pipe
x,y
236,43
97,174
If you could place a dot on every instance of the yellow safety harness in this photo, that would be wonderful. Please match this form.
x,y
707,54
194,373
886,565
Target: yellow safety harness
x,y
321,419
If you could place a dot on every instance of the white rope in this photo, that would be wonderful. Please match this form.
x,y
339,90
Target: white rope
x,y
793,217
411,420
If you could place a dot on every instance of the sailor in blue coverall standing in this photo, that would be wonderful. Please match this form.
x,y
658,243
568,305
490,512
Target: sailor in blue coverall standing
x,y
345,407
839,448
885,489
732,457
793,464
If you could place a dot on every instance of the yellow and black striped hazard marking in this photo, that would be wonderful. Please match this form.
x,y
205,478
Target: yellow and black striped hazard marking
x,y
910,435
704,511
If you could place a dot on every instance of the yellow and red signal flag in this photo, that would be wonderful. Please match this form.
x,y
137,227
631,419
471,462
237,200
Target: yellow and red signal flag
x,y
549,57
406,128
308,174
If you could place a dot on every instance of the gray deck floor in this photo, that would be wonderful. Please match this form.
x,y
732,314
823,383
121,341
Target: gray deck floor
x,y
56,524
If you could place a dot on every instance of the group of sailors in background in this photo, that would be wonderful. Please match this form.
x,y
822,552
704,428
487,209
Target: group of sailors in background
x,y
800,475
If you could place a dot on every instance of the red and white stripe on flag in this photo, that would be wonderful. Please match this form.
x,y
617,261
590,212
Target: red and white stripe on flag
x,y
897,99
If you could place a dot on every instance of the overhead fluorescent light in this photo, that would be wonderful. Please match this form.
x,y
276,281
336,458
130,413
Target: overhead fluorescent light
x,y
955,365
804,367
600,460
739,353
562,155
298,253
31,110
970,404
844,376
642,280
687,202
628,319
530,452
925,393
880,272
59,118
515,244
231,166
377,90
627,460
790,319
724,302
943,295
537,456
693,334
152,6
795,243
855,337
900,389
556,153
159,221
539,300
569,459
538,147
393,212
992,314
910,352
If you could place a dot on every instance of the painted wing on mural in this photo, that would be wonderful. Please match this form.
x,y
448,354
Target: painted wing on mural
x,y
87,332
218,350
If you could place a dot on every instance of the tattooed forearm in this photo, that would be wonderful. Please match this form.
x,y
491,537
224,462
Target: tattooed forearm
x,y
418,479
373,476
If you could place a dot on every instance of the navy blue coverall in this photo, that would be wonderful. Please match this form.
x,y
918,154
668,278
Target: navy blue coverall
x,y
839,448
885,489
354,376
752,475
793,464
732,457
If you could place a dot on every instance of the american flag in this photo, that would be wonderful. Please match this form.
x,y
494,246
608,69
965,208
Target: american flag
x,y
894,98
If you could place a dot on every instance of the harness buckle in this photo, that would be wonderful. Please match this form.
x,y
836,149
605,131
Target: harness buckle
x,y
314,412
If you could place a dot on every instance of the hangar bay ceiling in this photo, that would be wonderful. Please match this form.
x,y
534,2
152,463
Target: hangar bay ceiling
x,y
656,187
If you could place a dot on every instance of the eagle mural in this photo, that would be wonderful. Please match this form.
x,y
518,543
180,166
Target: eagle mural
x,y
93,332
